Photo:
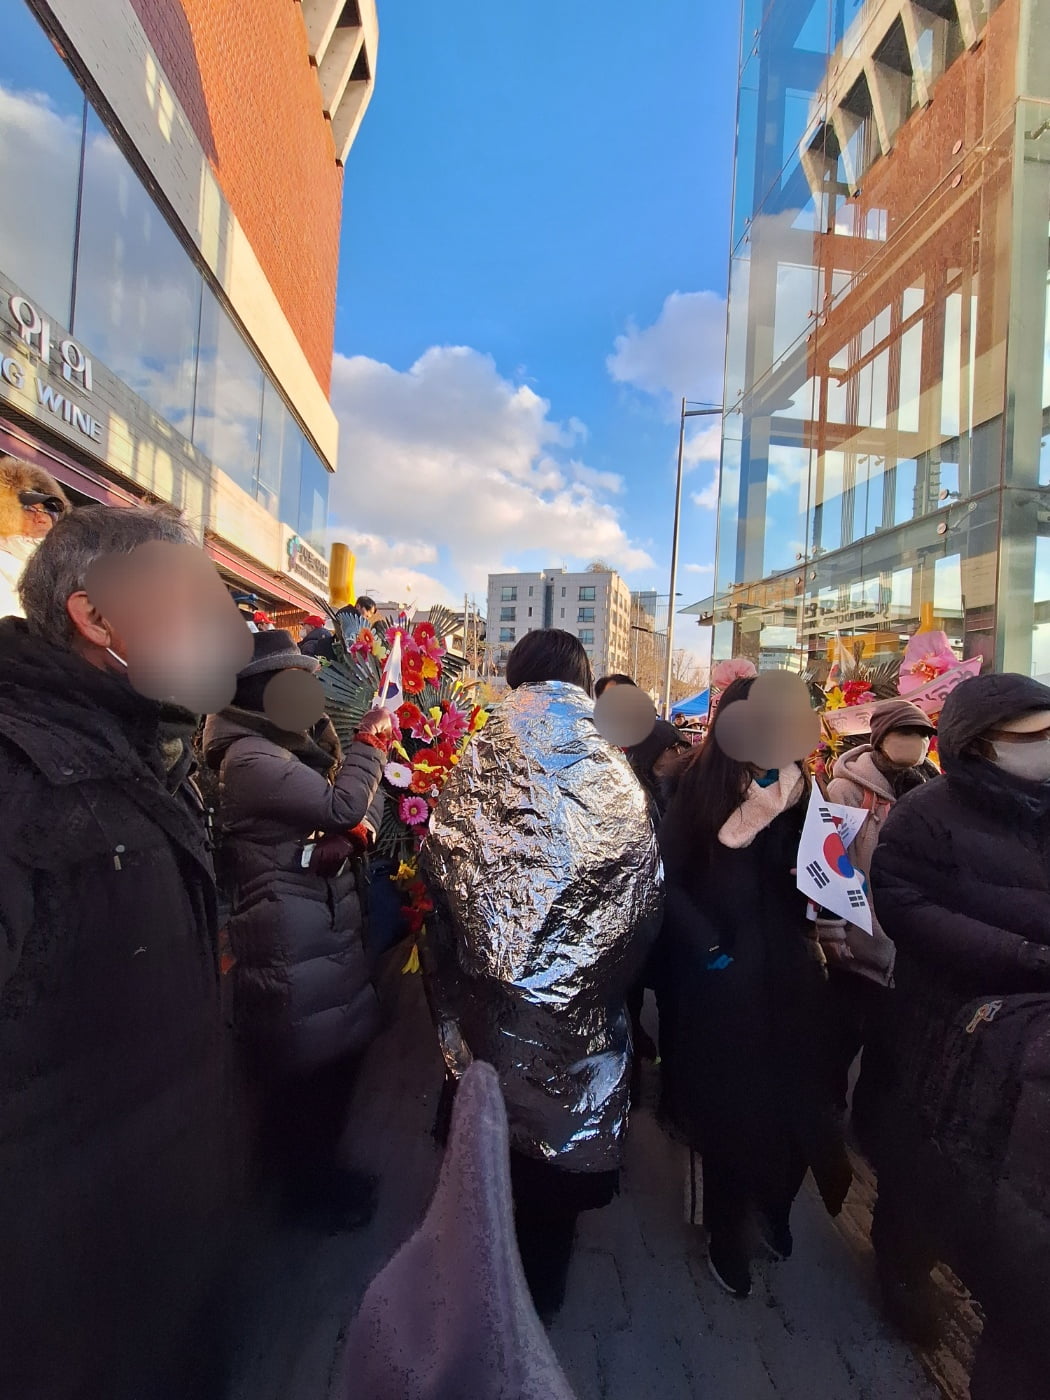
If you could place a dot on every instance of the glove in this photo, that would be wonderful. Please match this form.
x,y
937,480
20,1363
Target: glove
x,y
330,854
1035,958
376,730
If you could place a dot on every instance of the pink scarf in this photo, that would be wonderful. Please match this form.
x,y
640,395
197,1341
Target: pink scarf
x,y
761,807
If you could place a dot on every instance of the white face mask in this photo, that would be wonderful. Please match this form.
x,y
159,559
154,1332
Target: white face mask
x,y
1031,761
905,750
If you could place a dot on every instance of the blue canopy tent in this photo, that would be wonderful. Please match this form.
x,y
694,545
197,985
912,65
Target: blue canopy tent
x,y
695,707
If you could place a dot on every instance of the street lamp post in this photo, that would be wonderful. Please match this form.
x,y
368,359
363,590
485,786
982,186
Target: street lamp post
x,y
686,413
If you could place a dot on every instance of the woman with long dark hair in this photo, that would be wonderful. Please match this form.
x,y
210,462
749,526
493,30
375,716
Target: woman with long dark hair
x,y
743,1002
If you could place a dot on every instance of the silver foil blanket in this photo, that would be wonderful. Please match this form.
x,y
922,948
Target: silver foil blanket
x,y
548,885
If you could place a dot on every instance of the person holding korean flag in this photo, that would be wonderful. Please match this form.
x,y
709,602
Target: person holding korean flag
x,y
871,777
743,995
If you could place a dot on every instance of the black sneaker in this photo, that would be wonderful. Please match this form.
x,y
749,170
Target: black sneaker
x,y
777,1238
730,1266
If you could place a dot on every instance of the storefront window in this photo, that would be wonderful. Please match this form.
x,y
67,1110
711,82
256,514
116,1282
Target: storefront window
x,y
228,412
41,133
138,293
313,500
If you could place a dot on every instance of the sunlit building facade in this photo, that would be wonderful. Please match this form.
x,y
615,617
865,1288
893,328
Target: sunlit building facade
x,y
886,454
169,245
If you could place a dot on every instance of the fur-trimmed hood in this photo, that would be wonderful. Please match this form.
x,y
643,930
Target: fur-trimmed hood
x,y
17,476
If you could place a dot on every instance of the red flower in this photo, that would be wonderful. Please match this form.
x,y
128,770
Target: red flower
x,y
412,673
363,643
424,632
412,718
421,783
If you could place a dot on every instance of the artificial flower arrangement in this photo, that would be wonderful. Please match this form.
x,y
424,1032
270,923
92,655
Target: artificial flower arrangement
x,y
432,726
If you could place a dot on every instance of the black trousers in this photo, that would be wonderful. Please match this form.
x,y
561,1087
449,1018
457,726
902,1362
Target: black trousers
x,y
303,1123
729,1201
856,1017
547,1203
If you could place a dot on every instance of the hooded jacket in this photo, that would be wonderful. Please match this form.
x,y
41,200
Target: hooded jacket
x,y
16,548
857,781
961,874
301,990
112,1146
549,889
451,1314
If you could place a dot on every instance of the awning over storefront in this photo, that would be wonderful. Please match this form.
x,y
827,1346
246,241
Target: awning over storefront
x,y
268,585
65,469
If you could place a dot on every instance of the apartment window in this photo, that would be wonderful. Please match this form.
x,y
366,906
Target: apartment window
x,y
530,590
587,637
563,593
563,612
530,610
585,615
509,595
506,634
508,614
586,595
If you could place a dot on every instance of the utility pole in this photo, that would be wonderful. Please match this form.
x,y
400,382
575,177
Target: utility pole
x,y
669,669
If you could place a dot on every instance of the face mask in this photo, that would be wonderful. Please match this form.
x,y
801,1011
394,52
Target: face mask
x,y
1031,761
906,750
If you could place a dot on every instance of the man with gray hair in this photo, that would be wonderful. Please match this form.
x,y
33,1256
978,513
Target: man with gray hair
x,y
112,1152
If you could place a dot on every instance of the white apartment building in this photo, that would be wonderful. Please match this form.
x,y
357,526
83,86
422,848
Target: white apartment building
x,y
594,606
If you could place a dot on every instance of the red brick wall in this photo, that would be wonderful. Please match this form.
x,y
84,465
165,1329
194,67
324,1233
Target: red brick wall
x,y
244,79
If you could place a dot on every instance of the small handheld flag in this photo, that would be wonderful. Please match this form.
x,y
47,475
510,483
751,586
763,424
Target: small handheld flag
x,y
390,691
825,872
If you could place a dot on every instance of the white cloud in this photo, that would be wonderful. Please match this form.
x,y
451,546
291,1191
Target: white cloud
x,y
448,472
707,499
699,568
681,355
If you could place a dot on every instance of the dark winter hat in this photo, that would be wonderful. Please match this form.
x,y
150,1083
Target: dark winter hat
x,y
275,651
984,702
891,715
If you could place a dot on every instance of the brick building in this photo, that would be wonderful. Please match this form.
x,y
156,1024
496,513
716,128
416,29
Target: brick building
x,y
169,248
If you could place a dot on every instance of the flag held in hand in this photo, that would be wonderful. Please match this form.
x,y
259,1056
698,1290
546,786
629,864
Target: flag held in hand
x,y
825,872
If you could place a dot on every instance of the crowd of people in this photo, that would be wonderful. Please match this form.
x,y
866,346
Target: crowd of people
x,y
184,1003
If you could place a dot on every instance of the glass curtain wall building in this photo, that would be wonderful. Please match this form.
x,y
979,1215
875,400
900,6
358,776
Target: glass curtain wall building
x,y
886,454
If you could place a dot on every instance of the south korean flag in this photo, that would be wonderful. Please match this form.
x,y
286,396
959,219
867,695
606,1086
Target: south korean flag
x,y
825,872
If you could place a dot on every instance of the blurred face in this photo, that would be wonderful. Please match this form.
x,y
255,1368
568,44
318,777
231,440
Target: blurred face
x,y
774,726
906,748
1021,746
36,521
162,616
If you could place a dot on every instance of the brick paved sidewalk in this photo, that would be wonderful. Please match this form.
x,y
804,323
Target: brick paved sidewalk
x,y
643,1318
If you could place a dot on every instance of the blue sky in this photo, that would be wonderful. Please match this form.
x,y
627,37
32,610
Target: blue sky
x,y
531,187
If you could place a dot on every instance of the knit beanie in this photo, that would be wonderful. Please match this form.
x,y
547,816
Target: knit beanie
x,y
891,715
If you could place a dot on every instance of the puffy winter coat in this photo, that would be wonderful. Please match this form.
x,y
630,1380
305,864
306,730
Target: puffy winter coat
x,y
112,1181
857,781
961,880
302,994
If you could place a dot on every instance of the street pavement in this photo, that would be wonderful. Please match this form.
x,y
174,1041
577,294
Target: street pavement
x,y
643,1319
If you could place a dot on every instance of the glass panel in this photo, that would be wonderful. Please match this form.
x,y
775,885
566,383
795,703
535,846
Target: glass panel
x,y
313,500
279,440
228,414
41,136
137,302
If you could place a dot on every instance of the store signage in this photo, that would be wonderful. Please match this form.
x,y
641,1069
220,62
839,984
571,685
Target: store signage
x,y
52,352
306,564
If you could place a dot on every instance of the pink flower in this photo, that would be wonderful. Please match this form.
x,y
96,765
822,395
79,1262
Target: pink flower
x,y
926,657
414,811
453,725
726,672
